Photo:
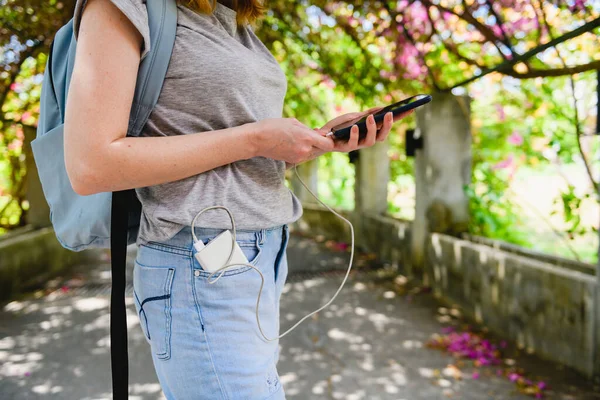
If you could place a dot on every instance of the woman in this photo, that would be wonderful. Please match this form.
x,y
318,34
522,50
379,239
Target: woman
x,y
216,137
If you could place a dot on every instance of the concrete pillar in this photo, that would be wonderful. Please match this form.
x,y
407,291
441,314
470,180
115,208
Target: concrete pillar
x,y
372,178
309,173
38,214
442,169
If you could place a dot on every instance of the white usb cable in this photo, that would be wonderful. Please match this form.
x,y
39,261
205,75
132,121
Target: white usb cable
x,y
233,249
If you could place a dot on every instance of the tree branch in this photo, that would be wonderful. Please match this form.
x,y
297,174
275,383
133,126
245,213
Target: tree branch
x,y
535,73
507,66
506,40
466,16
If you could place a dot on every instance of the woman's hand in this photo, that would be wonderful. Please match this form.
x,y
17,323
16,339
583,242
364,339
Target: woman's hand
x,y
375,132
289,140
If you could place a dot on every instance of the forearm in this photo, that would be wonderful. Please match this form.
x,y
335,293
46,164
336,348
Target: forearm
x,y
132,162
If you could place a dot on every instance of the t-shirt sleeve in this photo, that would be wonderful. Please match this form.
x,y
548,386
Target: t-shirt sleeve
x,y
134,10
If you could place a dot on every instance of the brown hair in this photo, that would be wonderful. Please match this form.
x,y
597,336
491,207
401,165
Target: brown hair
x,y
248,11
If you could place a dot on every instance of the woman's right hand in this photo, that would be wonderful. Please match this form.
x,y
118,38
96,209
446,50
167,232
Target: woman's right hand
x,y
289,140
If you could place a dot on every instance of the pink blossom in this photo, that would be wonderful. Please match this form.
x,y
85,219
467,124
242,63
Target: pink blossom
x,y
500,111
401,5
15,145
514,377
475,375
328,83
497,31
26,115
541,385
515,139
506,163
483,361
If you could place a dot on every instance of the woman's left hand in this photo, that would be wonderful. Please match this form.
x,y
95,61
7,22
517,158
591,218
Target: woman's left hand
x,y
374,134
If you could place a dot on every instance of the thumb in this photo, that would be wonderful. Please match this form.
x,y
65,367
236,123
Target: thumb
x,y
321,131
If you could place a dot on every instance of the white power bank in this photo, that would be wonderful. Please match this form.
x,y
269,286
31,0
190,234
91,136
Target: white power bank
x,y
214,255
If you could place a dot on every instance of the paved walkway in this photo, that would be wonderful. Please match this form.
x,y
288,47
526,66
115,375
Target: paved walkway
x,y
370,344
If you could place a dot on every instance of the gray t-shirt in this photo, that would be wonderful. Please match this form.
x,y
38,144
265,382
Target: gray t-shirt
x,y
220,75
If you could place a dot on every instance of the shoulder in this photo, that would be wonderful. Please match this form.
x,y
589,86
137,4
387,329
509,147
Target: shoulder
x,y
134,10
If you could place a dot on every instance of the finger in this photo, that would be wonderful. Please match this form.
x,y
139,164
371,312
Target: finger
x,y
371,137
321,142
321,131
353,141
372,110
403,115
386,127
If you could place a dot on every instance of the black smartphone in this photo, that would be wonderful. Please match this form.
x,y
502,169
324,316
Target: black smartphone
x,y
342,132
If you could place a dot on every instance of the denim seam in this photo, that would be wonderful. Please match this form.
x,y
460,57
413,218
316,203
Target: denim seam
x,y
168,248
168,288
212,362
275,392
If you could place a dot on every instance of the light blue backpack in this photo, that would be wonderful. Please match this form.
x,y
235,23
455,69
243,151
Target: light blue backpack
x,y
105,219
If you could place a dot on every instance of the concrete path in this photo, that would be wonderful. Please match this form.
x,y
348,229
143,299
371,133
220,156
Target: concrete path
x,y
370,344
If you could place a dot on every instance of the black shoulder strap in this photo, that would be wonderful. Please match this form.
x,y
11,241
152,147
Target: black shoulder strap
x,y
121,202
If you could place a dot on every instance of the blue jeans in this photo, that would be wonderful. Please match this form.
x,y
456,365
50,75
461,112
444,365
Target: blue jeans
x,y
204,337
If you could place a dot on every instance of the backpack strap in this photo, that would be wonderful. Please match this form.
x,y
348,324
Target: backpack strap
x,y
162,18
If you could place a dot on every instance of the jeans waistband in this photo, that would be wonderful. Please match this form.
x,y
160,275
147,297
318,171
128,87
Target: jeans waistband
x,y
183,240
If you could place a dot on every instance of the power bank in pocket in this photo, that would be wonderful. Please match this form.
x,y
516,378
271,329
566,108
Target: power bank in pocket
x,y
214,255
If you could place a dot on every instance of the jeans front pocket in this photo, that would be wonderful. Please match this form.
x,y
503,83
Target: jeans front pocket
x,y
250,244
152,297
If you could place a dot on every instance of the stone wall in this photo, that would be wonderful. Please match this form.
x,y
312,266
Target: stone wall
x,y
542,307
29,257
537,303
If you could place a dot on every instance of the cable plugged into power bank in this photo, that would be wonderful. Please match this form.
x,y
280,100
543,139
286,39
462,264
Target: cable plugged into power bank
x,y
225,243
214,254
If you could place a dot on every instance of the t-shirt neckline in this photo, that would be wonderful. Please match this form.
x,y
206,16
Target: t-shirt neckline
x,y
226,11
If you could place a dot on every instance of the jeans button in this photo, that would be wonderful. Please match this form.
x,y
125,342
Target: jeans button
x,y
196,273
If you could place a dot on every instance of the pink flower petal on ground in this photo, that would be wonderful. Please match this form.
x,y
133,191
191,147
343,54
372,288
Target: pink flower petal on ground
x,y
514,377
475,375
541,385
